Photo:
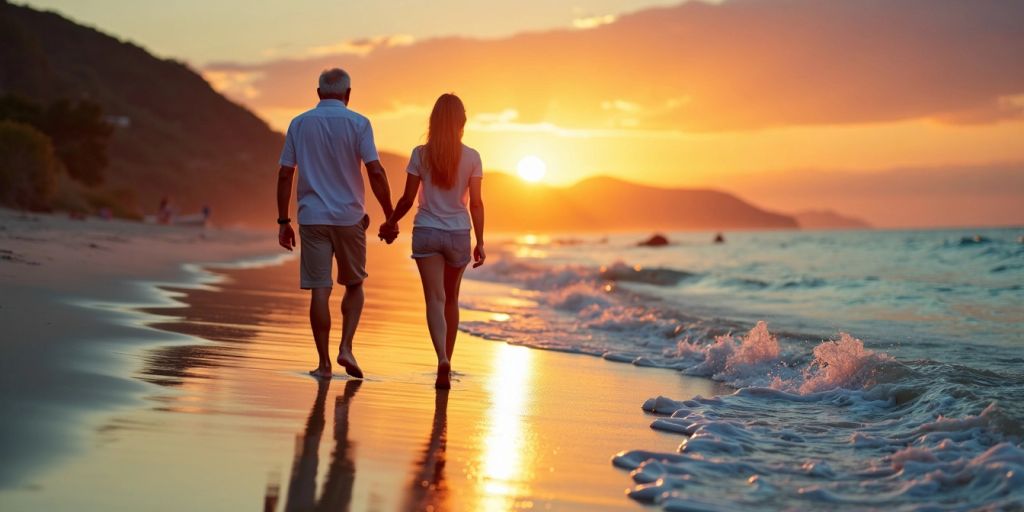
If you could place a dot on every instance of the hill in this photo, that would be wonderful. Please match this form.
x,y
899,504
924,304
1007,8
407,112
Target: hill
x,y
602,204
174,135
609,204
828,219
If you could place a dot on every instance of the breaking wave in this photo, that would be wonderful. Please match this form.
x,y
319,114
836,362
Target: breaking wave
x,y
812,423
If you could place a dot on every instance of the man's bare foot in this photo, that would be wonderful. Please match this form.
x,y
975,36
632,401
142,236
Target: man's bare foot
x,y
321,373
444,378
348,361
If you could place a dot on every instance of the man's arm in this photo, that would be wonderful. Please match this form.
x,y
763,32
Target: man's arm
x,y
379,185
285,235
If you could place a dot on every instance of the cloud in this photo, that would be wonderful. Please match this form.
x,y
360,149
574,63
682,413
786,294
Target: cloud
x,y
593,21
236,83
739,65
361,46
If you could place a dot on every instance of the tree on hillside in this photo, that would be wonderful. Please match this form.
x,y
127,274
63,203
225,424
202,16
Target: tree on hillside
x,y
77,130
28,167
80,136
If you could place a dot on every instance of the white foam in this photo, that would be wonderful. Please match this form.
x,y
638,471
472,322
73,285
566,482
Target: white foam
x,y
810,425
843,363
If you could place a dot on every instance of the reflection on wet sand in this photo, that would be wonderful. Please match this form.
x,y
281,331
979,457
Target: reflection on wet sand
x,y
428,489
504,472
203,313
225,420
341,473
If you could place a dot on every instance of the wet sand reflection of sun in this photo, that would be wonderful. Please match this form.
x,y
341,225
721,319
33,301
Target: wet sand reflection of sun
x,y
505,464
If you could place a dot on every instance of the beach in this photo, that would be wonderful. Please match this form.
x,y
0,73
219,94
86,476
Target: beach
x,y
158,384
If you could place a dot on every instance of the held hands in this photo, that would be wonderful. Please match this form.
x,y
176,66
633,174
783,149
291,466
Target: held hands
x,y
479,255
286,236
388,232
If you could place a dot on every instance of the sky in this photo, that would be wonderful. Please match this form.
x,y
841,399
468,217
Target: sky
x,y
885,110
201,31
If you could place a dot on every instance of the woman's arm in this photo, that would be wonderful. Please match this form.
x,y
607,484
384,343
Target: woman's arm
x,y
476,211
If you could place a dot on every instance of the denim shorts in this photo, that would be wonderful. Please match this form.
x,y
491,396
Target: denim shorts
x,y
453,245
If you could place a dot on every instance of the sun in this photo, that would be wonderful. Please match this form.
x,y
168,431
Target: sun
x,y
532,169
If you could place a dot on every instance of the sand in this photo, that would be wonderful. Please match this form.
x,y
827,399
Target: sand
x,y
202,404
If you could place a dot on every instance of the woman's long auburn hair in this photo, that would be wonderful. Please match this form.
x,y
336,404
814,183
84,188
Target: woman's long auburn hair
x,y
444,140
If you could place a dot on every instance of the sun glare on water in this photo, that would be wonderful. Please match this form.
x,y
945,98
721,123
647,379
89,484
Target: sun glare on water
x,y
532,169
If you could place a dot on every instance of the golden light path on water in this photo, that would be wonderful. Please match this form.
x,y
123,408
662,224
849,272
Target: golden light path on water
x,y
504,468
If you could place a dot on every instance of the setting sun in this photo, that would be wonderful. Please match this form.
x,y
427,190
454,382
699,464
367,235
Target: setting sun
x,y
531,169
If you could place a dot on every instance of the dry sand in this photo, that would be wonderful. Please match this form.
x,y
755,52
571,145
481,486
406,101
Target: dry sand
x,y
202,404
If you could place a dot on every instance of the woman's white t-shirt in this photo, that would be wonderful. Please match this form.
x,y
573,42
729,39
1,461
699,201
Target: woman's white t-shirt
x,y
440,208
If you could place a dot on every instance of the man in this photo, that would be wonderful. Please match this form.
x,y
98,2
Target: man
x,y
327,145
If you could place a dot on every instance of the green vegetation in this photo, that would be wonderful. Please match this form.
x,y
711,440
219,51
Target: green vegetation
x,y
41,143
76,129
28,167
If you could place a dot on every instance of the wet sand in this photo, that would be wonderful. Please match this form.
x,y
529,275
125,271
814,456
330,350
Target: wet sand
x,y
226,419
67,335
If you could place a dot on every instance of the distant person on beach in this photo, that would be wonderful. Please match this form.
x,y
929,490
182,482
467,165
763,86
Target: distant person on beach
x,y
327,145
447,175
163,215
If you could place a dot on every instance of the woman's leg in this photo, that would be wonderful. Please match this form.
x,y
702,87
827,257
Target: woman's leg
x,y
432,275
452,282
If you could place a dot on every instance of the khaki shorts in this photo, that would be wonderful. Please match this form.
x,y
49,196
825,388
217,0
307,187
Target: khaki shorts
x,y
321,244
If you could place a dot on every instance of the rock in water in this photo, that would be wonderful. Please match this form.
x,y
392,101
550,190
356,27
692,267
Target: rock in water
x,y
656,240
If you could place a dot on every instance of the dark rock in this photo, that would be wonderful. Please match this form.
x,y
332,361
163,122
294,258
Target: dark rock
x,y
655,240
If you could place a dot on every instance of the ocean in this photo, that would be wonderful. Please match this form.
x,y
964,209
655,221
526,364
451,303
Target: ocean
x,y
871,369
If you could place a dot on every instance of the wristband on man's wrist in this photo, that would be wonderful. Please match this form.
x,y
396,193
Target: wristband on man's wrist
x,y
284,220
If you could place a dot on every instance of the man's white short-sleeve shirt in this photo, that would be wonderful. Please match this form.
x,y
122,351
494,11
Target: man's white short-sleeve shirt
x,y
329,144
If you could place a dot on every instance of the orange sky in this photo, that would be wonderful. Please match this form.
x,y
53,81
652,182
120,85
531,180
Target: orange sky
x,y
750,96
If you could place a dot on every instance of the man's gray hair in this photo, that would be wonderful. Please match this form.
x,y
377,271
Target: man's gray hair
x,y
334,81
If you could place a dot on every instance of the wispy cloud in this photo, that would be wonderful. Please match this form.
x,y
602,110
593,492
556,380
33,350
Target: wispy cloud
x,y
696,67
360,46
593,21
236,83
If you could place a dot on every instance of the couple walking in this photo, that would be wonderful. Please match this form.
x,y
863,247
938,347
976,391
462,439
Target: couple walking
x,y
327,145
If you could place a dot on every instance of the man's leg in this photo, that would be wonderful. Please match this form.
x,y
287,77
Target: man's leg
x,y
320,321
351,309
315,275
349,244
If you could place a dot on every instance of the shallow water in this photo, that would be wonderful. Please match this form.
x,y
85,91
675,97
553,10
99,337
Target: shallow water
x,y
227,419
872,369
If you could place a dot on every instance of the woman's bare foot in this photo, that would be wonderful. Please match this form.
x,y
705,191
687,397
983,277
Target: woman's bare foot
x,y
321,373
348,361
444,378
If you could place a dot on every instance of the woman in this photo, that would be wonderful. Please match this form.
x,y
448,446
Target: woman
x,y
445,173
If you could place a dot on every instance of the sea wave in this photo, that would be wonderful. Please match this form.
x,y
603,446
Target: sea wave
x,y
812,422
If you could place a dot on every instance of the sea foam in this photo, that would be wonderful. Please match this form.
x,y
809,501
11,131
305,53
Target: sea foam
x,y
811,424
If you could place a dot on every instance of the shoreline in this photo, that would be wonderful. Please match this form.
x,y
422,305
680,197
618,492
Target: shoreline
x,y
70,310
206,365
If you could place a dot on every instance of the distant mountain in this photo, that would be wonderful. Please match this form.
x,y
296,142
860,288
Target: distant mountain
x,y
828,219
604,204
176,136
